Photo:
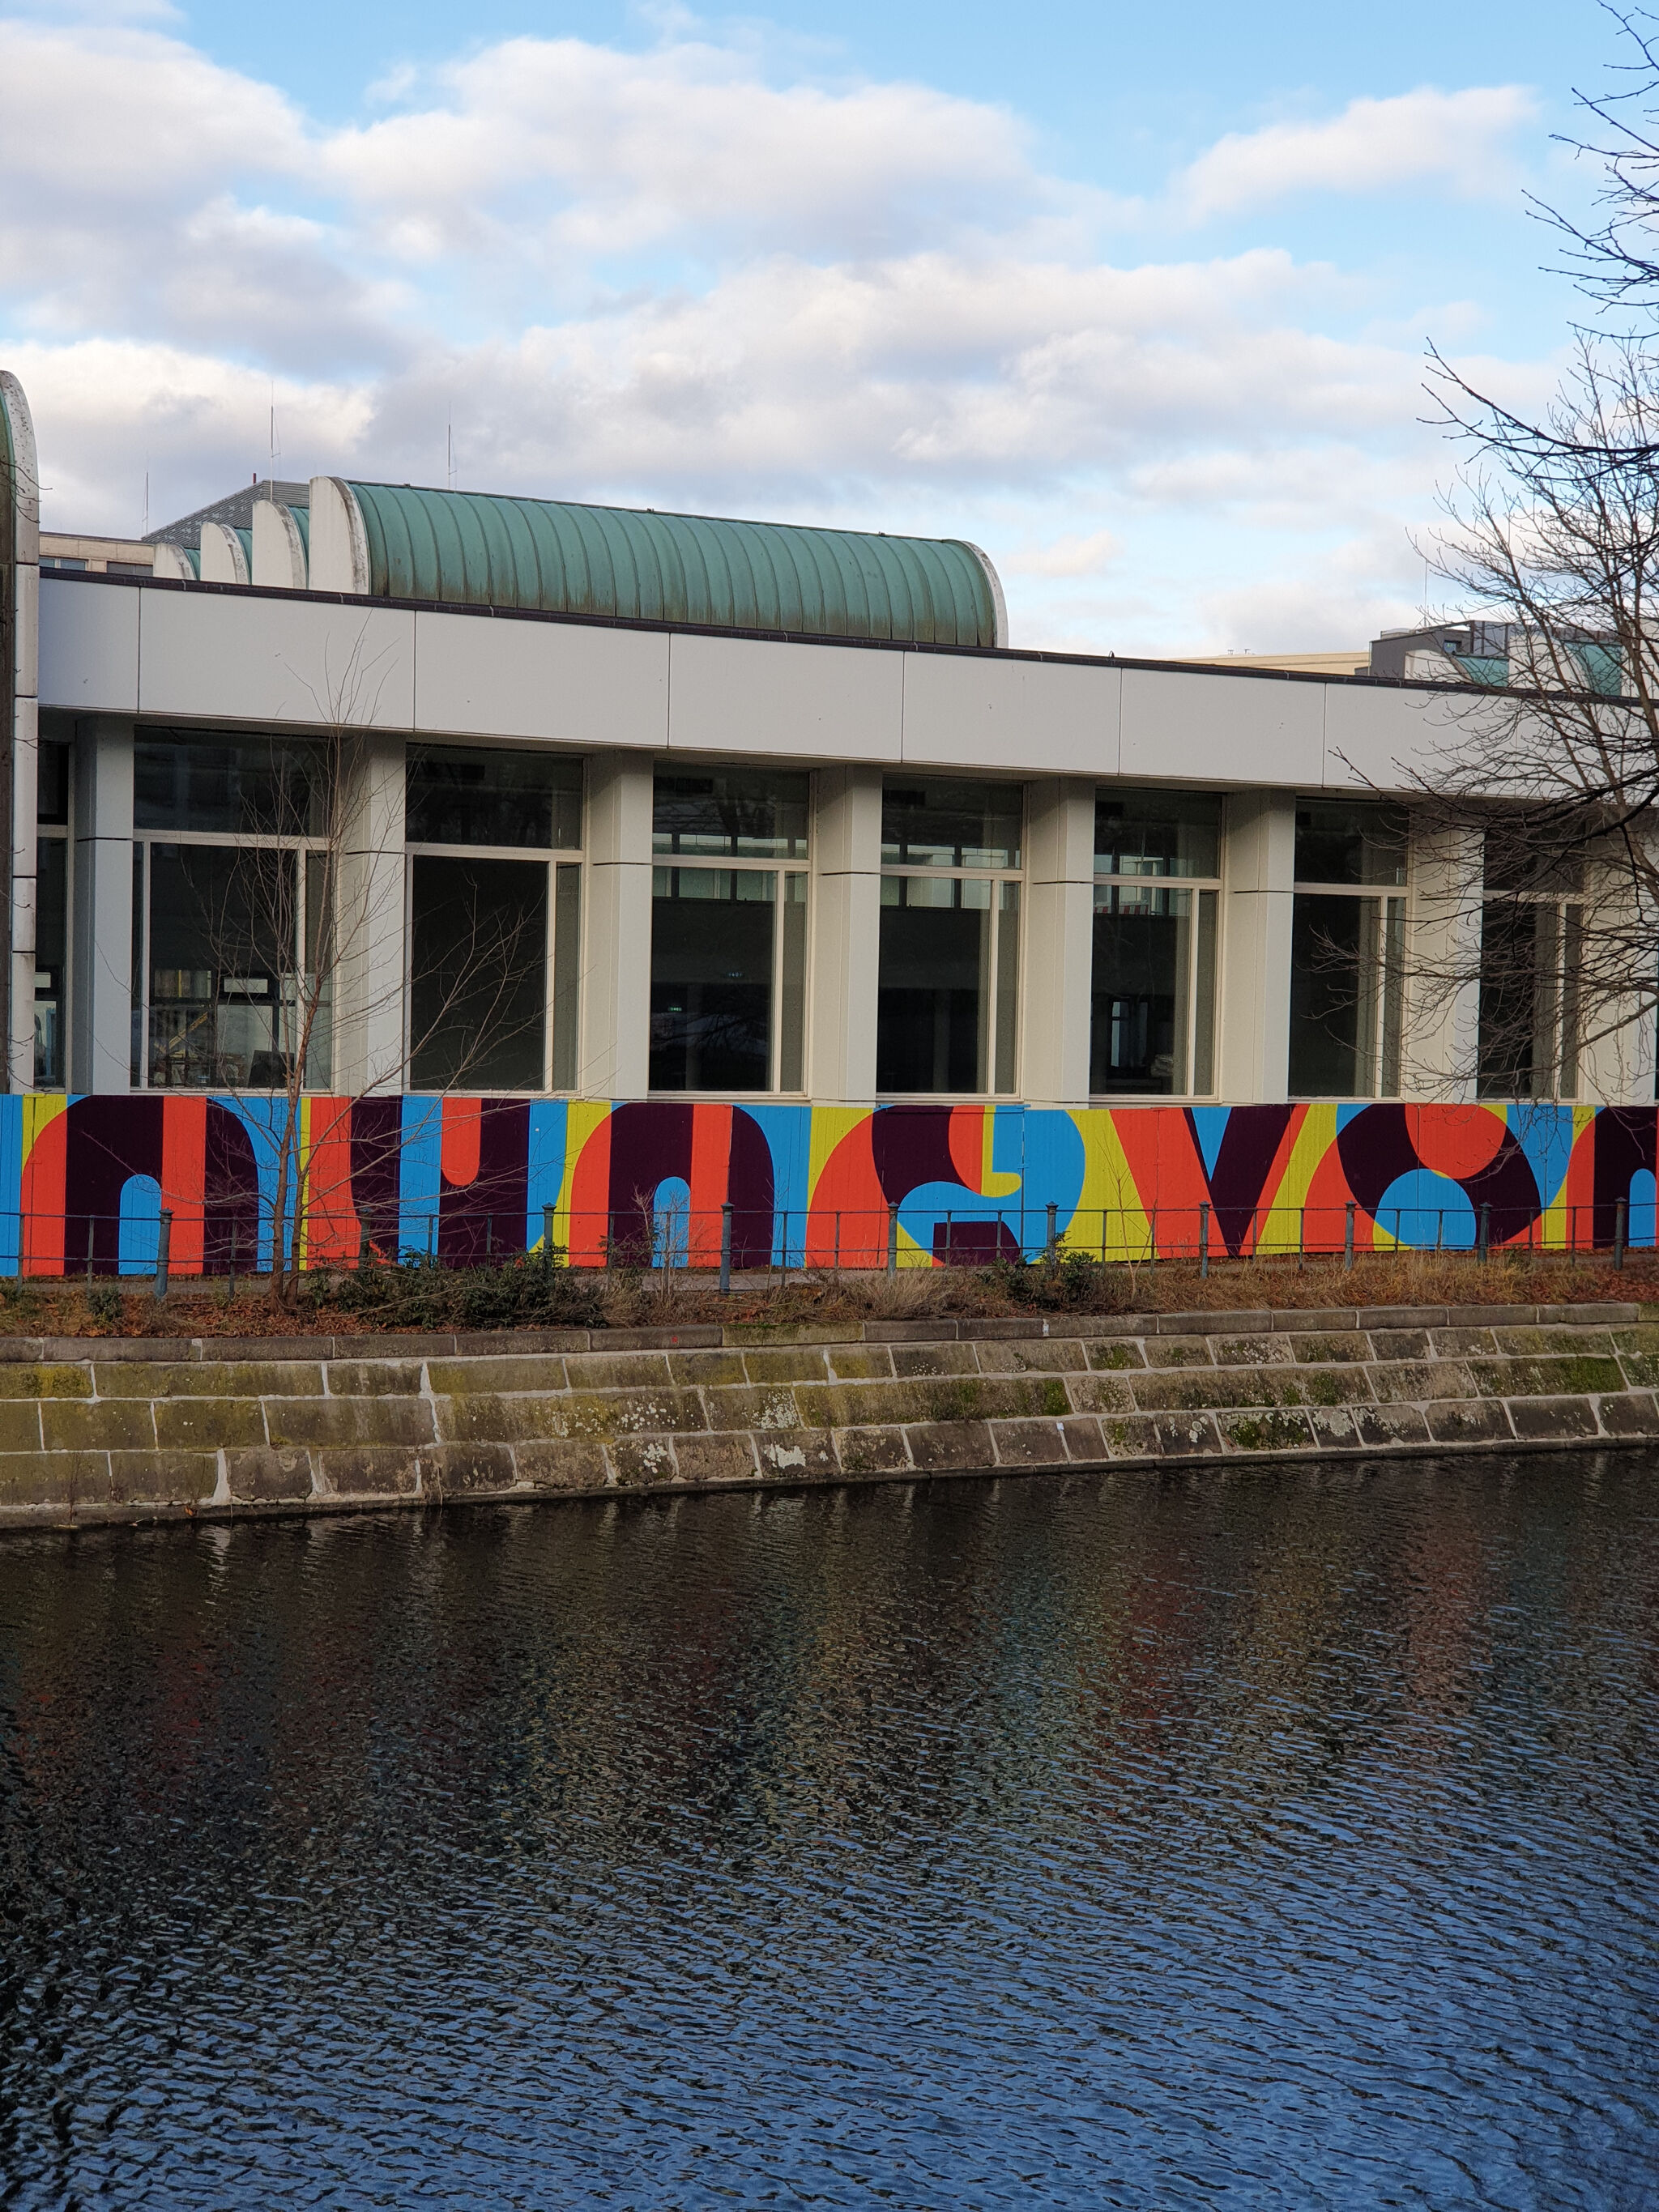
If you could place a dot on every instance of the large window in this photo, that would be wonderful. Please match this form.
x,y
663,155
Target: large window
x,y
52,851
947,1015
228,876
1531,955
494,919
1151,1026
728,930
1347,951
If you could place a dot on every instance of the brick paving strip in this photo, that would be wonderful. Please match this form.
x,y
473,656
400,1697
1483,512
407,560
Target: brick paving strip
x,y
153,1428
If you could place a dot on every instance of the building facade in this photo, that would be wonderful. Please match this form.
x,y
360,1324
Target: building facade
x,y
600,855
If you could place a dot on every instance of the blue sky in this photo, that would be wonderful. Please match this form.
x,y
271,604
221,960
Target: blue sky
x,y
1136,298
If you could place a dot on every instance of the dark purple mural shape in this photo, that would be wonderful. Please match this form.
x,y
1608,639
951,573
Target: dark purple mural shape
x,y
910,1145
1376,1149
1249,1145
377,1130
651,1145
484,1219
108,1141
1626,1142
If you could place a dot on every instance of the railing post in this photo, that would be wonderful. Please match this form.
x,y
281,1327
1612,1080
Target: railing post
x,y
892,1240
163,1251
1203,1240
726,1246
1053,1230
1620,1231
1347,1238
1486,1233
548,1212
1152,1239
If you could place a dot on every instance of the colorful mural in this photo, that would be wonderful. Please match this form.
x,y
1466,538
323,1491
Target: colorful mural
x,y
84,1180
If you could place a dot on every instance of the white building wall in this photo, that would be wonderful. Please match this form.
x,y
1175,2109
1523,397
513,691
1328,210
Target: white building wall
x,y
1258,875
101,990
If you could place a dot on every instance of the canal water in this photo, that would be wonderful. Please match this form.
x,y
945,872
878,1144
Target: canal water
x,y
1282,1840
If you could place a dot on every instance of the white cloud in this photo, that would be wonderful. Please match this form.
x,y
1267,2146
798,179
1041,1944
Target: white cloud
x,y
1072,555
1460,141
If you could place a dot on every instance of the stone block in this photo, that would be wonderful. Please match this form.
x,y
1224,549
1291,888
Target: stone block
x,y
559,1463
348,1420
1337,1320
872,1451
761,1333
1489,1317
792,1364
544,1374
1045,1356
367,1471
162,1478
607,1413
802,1452
266,1474
706,1369
910,1332
929,1398
951,1446
1274,1430
1335,1428
859,1363
1007,1329
1184,1436
1532,1343
934,1359
1463,1343
1382,1426
1548,1420
212,1351
1396,1318
62,1379
1101,1394
1406,1380
1631,1413
752,1408
610,1371
694,1336
1469,1421
1220,1386
1029,1443
1334,1348
640,1462
1609,1313
1264,1350
1400,1343
34,1479
1116,1356
1248,1321
206,1424
73,1424
1177,1350
460,1470
518,1343
729,1458
371,1378
1546,1377
1084,1444
1135,1438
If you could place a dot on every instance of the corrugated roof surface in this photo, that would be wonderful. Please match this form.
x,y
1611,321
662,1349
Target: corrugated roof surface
x,y
565,558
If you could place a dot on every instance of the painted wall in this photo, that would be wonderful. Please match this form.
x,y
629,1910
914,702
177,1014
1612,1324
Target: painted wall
x,y
85,1178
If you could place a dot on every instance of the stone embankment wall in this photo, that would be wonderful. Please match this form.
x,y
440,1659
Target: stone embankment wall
x,y
94,1429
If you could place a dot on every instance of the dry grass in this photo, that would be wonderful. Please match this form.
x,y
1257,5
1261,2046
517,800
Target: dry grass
x,y
680,1299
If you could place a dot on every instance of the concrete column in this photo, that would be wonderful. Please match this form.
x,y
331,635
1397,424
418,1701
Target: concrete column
x,y
846,936
1058,927
100,984
614,1060
1259,872
20,543
370,1052
1442,963
25,847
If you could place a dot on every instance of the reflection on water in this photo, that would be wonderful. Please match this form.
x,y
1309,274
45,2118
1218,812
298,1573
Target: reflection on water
x,y
1284,1841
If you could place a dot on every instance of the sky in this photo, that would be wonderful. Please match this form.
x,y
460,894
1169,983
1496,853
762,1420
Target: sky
x,y
1136,297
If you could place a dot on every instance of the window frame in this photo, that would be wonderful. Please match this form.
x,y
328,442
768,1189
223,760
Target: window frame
x,y
1394,921
57,832
1210,886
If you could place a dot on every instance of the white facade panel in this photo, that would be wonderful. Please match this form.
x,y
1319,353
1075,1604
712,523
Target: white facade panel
x,y
1222,729
1042,717
251,659
1382,739
88,646
729,695
560,682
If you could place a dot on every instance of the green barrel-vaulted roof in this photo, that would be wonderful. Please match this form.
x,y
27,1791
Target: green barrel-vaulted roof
x,y
479,549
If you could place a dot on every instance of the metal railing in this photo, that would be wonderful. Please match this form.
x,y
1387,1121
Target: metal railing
x,y
220,1242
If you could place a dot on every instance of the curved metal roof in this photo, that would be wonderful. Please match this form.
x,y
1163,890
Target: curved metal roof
x,y
562,557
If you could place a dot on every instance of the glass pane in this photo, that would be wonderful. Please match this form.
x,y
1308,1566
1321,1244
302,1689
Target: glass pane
x,y
135,1052
1156,833
315,1008
1521,1001
940,824
567,973
1140,1000
711,979
477,992
53,803
223,931
50,944
792,1010
1394,995
1340,842
465,795
1334,958
930,1006
1527,854
1204,998
1007,1057
252,786
731,813
1572,961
